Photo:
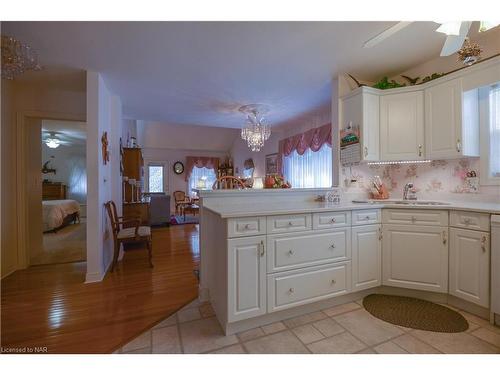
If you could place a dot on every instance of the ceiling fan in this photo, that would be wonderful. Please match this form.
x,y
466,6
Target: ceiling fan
x,y
456,32
52,140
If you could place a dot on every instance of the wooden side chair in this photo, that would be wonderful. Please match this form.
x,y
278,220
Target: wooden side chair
x,y
180,199
127,231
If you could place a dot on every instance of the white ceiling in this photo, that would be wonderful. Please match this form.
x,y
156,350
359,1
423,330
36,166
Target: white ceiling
x,y
201,72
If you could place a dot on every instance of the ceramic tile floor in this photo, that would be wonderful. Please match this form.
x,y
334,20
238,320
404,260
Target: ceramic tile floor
x,y
346,328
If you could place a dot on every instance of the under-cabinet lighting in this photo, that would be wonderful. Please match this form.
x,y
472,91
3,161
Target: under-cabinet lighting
x,y
398,162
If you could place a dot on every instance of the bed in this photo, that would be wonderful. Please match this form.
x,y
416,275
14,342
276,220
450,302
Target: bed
x,y
59,213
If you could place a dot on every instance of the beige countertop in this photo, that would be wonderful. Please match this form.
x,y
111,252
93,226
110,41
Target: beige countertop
x,y
231,210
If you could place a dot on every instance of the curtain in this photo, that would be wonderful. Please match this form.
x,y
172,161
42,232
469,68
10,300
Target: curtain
x,y
494,166
313,139
312,169
207,174
200,162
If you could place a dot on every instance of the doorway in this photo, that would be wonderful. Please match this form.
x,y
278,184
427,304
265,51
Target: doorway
x,y
56,160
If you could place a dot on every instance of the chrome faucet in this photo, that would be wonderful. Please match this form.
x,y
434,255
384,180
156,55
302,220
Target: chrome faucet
x,y
406,191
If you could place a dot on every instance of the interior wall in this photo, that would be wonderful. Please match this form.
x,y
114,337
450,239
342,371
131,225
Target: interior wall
x,y
20,97
103,181
69,161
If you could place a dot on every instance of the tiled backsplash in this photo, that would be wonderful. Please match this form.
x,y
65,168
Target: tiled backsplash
x,y
439,179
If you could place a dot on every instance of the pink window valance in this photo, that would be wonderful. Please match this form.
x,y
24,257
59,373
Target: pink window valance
x,y
313,139
200,162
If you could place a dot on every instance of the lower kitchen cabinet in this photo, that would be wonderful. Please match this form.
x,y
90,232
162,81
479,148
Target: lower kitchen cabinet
x,y
246,278
416,257
366,257
469,265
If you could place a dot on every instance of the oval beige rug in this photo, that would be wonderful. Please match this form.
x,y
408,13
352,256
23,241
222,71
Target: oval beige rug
x,y
415,313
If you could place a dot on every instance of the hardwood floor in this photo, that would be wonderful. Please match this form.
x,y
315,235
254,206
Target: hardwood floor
x,y
50,306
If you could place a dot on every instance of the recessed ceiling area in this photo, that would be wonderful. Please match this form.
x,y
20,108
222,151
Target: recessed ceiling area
x,y
200,73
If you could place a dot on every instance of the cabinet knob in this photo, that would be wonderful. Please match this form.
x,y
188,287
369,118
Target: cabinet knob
x,y
247,226
333,220
290,223
445,240
290,252
333,281
367,217
291,290
413,219
467,221
332,246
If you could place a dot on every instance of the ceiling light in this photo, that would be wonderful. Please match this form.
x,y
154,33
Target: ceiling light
x,y
398,162
17,58
52,142
486,25
450,28
255,131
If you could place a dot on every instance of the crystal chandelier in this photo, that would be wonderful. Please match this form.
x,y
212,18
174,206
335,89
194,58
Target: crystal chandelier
x,y
255,131
17,58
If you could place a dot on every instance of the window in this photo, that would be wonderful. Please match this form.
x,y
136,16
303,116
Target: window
x,y
156,182
203,176
494,149
489,114
310,170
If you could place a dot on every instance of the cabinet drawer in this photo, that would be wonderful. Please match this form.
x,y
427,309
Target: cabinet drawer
x,y
326,220
288,223
415,216
246,226
294,288
286,252
362,217
470,220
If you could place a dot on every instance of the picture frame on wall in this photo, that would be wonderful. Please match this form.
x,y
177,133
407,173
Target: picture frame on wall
x,y
272,164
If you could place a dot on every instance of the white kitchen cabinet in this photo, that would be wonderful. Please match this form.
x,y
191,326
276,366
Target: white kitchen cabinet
x,y
366,257
469,265
362,109
402,126
451,121
246,277
415,257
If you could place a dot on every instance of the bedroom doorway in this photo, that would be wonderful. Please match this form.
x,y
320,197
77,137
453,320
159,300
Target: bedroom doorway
x,y
57,204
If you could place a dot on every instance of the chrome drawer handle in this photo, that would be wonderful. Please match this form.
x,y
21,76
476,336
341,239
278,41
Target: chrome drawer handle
x,y
459,145
483,243
467,221
366,151
367,217
247,226
332,246
333,220
290,223
333,281
262,248
413,219
419,150
290,253
291,290
445,240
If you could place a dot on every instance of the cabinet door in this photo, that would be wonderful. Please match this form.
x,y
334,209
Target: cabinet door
x,y
402,126
362,110
366,257
246,278
443,120
469,265
415,257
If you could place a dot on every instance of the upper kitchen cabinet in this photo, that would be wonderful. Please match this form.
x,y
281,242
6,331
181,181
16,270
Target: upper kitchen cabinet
x,y
402,126
361,109
451,121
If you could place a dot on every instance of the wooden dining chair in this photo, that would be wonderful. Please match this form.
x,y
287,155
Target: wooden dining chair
x,y
127,231
180,199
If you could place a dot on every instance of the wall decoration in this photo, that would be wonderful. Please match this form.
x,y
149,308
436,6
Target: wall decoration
x,y
178,167
272,164
46,168
470,52
104,145
412,81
